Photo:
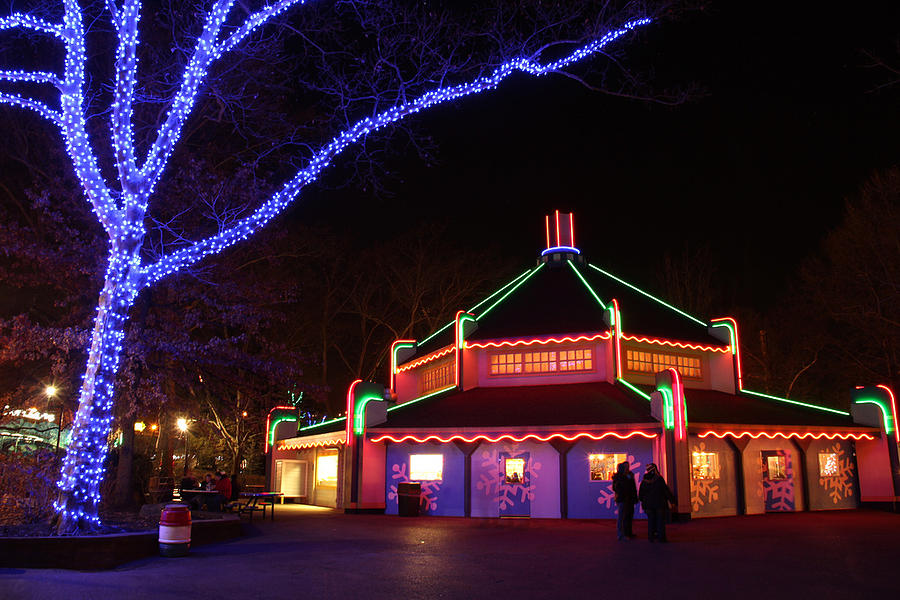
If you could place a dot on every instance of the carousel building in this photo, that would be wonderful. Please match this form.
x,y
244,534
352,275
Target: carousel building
x,y
524,404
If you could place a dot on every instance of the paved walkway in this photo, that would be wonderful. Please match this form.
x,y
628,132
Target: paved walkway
x,y
318,553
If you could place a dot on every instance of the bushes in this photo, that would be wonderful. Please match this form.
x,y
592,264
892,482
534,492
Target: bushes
x,y
27,486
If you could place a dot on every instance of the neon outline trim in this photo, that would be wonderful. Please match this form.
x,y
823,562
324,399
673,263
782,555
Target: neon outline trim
x,y
654,298
270,430
511,437
807,405
587,285
634,389
568,339
683,345
414,400
427,359
514,280
732,326
571,249
312,444
617,328
348,428
572,229
461,318
890,393
547,229
557,227
398,345
322,424
794,434
885,417
506,295
359,413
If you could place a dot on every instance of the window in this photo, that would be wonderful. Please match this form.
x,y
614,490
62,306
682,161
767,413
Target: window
x,y
439,375
514,471
829,465
426,467
327,470
705,465
542,361
642,361
774,465
603,466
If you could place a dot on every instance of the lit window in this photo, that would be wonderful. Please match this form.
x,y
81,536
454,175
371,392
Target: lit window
x,y
705,465
438,375
542,362
514,470
327,470
775,465
603,466
426,467
829,465
642,361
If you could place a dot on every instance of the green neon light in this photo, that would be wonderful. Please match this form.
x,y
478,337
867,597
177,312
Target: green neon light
x,y
652,297
397,348
459,334
359,413
444,328
885,412
806,404
668,407
274,424
634,389
586,284
514,288
730,328
323,423
420,398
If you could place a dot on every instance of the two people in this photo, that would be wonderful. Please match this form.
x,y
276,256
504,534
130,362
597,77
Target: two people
x,y
654,495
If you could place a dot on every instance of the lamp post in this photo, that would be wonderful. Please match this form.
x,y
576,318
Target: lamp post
x,y
50,392
183,426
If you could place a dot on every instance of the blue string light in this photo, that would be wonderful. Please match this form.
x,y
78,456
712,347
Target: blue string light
x,y
121,210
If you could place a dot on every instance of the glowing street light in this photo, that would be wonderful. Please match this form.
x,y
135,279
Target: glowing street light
x,y
183,426
50,392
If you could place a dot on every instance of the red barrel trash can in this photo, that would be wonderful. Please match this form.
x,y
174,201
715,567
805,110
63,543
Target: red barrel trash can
x,y
175,530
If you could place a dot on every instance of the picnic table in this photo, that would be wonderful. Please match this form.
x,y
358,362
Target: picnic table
x,y
259,501
202,496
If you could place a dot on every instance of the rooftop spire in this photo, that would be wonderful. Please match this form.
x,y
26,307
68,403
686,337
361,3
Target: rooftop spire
x,y
560,232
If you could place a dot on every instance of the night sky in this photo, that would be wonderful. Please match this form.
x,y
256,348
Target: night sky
x,y
758,167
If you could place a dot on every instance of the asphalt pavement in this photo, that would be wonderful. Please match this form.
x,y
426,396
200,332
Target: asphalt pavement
x,y
311,552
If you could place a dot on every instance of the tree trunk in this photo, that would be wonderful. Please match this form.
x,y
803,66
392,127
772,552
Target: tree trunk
x,y
166,462
122,496
78,503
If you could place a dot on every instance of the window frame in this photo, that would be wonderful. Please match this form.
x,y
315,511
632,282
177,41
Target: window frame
x,y
440,472
617,457
557,350
837,464
716,470
661,365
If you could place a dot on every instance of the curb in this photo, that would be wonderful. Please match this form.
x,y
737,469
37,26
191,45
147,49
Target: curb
x,y
100,552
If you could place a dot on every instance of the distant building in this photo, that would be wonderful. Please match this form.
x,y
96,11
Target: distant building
x,y
524,404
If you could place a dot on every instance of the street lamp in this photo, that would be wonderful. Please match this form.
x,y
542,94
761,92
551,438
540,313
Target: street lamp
x,y
50,392
183,426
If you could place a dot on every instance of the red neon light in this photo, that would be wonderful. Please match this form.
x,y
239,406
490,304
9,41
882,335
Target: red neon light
x,y
679,407
427,359
684,345
572,230
557,228
302,445
800,436
581,338
394,369
268,420
349,429
736,349
513,438
547,229
893,409
618,333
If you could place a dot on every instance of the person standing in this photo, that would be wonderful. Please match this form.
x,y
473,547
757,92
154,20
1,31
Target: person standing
x,y
626,496
655,497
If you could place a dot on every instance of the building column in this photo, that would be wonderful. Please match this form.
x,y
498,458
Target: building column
x,y
563,447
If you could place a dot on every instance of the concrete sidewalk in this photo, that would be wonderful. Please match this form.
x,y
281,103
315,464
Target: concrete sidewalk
x,y
318,553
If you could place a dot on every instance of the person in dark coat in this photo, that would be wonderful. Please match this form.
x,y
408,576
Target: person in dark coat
x,y
655,497
626,496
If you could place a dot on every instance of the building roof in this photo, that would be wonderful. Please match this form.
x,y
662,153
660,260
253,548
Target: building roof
x,y
568,297
595,403
711,406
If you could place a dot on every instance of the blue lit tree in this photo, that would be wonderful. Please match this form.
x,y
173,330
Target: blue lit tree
x,y
120,194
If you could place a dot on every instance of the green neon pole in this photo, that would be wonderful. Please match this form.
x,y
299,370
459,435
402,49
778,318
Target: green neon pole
x,y
652,297
806,404
359,413
274,424
668,407
885,412
586,284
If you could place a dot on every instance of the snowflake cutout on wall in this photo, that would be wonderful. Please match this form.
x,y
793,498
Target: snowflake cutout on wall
x,y
608,496
489,480
703,491
428,496
839,486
